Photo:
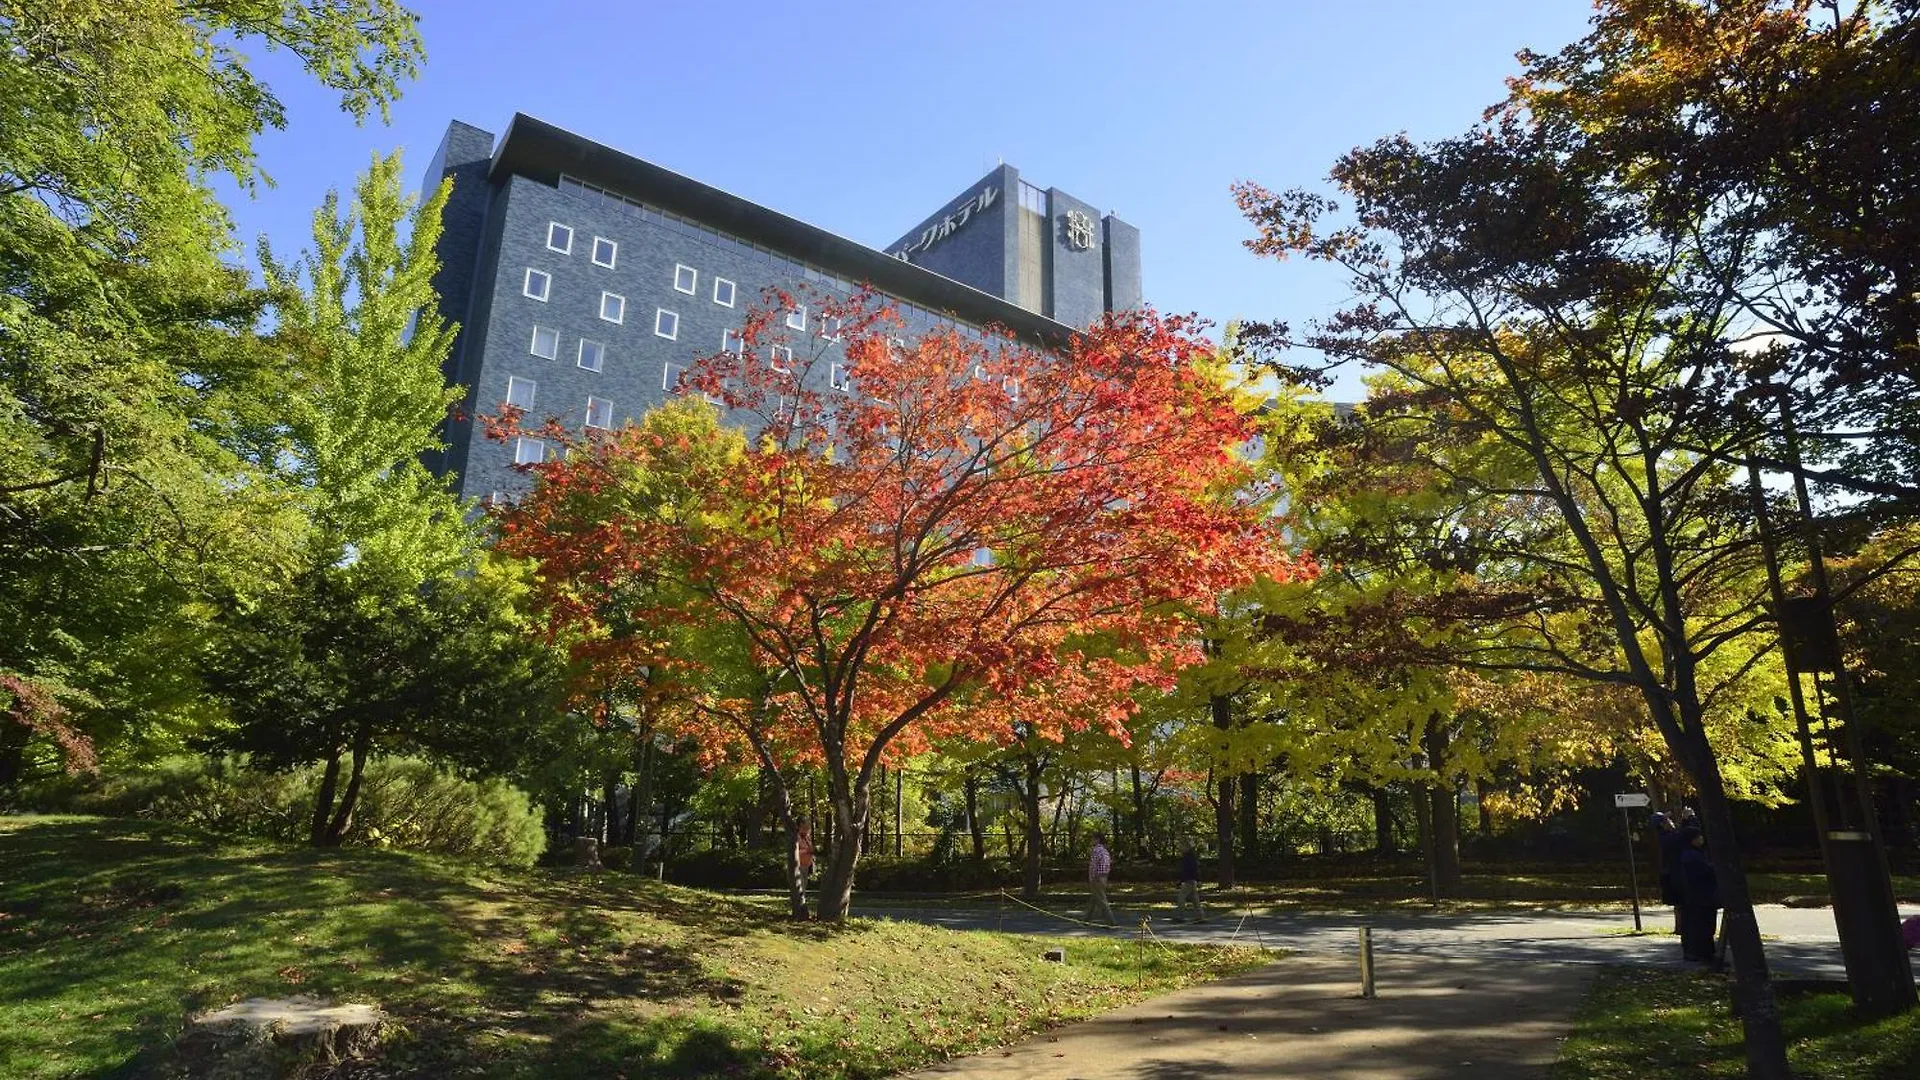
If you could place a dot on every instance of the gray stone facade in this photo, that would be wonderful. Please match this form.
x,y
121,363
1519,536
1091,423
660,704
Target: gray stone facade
x,y
668,235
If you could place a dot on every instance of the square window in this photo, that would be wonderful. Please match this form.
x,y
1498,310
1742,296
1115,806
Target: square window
x,y
840,378
670,378
830,328
666,324
732,342
599,413
593,355
797,318
546,342
604,252
685,278
613,308
780,359
519,392
559,238
723,292
528,451
538,284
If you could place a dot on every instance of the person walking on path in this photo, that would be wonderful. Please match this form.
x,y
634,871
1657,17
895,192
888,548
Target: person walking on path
x,y
1099,865
1189,885
1700,893
1668,835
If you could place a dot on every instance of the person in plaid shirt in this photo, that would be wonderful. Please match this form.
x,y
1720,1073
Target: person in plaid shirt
x,y
1099,865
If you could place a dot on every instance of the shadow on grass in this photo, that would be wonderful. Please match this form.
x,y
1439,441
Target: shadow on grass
x,y
132,925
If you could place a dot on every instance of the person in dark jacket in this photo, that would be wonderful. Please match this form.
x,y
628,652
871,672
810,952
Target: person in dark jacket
x,y
1699,896
1189,885
1668,835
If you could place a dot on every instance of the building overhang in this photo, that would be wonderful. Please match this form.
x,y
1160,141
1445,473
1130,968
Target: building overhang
x,y
540,151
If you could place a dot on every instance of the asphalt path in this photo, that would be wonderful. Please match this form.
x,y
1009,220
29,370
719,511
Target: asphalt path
x,y
1800,942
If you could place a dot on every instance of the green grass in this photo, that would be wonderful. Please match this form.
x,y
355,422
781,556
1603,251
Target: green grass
x,y
112,931
1642,1024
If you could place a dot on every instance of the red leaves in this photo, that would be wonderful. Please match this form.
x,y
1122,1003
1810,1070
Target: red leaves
x,y
919,534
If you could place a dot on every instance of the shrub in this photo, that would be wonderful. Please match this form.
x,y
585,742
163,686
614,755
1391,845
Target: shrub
x,y
404,803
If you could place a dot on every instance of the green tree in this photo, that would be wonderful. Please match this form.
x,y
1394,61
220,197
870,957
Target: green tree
x,y
389,628
134,401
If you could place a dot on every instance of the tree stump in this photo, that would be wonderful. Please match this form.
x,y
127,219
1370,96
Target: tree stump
x,y
277,1037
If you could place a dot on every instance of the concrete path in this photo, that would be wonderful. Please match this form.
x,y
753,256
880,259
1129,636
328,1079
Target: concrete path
x,y
1301,1017
1483,994
1805,943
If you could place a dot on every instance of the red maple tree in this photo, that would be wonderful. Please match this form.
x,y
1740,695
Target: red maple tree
x,y
917,532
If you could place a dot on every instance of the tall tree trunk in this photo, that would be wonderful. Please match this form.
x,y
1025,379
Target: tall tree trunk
x,y
1030,799
1444,815
976,829
350,797
1382,821
323,801
1222,709
1423,825
852,803
610,817
1250,815
1752,984
1139,821
1480,792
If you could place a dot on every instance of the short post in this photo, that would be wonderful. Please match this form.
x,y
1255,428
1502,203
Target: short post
x,y
1366,961
1633,866
1626,802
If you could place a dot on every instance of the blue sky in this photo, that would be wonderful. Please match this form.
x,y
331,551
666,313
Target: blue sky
x,y
864,118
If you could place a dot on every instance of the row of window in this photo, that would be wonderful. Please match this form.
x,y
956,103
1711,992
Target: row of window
x,y
560,238
520,393
687,227
539,286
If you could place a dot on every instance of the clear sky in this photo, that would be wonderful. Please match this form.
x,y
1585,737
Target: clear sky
x,y
863,118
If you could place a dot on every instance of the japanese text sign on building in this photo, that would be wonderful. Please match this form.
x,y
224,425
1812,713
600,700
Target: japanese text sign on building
x,y
951,223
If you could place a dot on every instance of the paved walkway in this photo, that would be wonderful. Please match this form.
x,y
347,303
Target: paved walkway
x,y
1803,941
1483,994
1302,1018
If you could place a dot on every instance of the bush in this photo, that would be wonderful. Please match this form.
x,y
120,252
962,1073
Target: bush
x,y
404,803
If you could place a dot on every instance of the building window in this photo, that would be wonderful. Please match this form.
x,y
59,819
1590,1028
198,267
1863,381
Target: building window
x,y
546,342
666,324
604,251
538,284
830,328
1012,386
780,359
732,342
723,292
599,413
670,377
519,392
797,318
685,278
593,355
840,377
528,451
1032,198
559,238
613,308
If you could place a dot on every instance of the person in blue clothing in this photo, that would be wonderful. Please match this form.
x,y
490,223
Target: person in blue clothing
x,y
1668,835
1189,885
1699,895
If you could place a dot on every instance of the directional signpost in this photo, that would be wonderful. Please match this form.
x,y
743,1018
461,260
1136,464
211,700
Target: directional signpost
x,y
1626,801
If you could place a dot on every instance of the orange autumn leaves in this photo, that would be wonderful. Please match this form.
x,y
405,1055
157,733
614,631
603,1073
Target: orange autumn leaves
x,y
916,537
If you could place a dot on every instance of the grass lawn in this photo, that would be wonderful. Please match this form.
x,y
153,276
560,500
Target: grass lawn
x,y
1642,1024
111,931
